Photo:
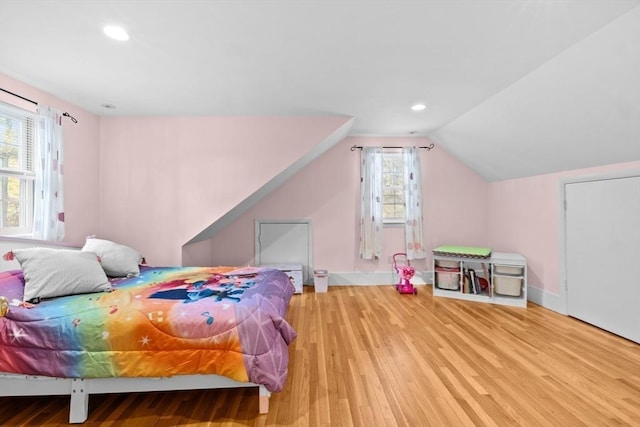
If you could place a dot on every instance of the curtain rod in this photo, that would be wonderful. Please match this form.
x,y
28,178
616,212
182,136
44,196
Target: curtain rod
x,y
73,119
359,147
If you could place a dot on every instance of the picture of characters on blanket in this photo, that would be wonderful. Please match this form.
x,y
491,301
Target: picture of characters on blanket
x,y
165,321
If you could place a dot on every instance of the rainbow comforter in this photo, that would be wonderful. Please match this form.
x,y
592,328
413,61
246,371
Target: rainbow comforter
x,y
166,321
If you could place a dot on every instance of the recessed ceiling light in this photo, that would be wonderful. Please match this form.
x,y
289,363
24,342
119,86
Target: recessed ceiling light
x,y
116,33
418,107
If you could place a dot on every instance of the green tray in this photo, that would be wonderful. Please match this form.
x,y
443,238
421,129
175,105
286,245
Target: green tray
x,y
462,251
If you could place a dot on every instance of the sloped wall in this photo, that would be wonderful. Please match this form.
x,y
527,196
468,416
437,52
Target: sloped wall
x,y
165,179
327,193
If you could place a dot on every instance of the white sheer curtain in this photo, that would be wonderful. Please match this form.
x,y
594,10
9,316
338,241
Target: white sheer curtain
x,y
48,214
371,203
413,204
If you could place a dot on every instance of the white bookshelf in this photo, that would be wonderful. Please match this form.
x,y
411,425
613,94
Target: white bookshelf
x,y
506,274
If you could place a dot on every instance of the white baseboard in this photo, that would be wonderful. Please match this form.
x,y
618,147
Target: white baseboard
x,y
427,276
545,299
369,278
536,295
352,278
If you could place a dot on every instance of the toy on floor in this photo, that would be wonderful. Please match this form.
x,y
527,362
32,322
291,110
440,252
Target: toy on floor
x,y
405,272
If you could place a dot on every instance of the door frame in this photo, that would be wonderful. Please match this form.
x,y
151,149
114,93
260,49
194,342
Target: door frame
x,y
306,278
562,235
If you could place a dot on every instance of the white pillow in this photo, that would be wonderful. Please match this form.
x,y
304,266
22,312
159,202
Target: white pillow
x,y
116,260
52,273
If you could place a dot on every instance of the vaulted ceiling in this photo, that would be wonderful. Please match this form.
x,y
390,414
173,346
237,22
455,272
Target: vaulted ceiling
x,y
511,88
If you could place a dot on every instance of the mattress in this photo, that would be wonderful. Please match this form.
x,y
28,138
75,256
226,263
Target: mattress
x,y
166,321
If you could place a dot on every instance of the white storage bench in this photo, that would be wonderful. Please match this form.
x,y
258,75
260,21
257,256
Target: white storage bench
x,y
505,273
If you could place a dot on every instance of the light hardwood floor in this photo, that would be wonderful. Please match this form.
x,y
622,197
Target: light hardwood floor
x,y
368,356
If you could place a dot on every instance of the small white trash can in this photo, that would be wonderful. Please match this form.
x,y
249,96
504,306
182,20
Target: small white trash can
x,y
320,281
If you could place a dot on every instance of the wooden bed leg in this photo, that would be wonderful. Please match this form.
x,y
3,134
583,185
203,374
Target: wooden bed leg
x,y
264,399
79,407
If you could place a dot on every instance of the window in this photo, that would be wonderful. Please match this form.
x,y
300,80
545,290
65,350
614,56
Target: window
x,y
390,194
393,203
16,170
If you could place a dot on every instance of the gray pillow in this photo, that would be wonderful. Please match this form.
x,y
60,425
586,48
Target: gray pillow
x,y
116,260
52,273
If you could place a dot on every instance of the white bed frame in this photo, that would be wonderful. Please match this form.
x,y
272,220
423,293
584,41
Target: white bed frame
x,y
79,389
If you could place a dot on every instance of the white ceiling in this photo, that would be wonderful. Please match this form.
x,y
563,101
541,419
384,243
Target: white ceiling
x,y
512,88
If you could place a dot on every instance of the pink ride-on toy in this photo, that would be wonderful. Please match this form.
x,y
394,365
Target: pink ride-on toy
x,y
405,272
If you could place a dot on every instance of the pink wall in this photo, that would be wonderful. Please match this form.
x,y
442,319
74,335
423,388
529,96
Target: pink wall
x,y
154,183
81,165
524,218
327,193
165,179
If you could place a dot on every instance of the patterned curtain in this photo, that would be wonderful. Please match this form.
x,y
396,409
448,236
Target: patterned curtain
x,y
48,215
413,202
371,203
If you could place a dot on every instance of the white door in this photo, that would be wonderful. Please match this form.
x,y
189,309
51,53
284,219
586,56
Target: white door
x,y
603,254
284,242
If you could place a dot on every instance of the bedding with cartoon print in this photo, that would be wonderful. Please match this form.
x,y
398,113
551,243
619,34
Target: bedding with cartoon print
x,y
167,321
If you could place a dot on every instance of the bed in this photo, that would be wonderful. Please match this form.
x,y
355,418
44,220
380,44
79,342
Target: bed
x,y
165,328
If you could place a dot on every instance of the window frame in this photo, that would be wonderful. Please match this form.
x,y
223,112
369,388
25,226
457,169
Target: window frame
x,y
396,183
24,172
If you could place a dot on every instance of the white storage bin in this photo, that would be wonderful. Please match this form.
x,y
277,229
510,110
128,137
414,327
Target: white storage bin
x,y
512,270
447,263
505,285
447,278
320,281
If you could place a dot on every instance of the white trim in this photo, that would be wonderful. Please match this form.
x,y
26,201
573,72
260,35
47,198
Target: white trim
x,y
373,278
307,273
353,278
427,276
545,299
